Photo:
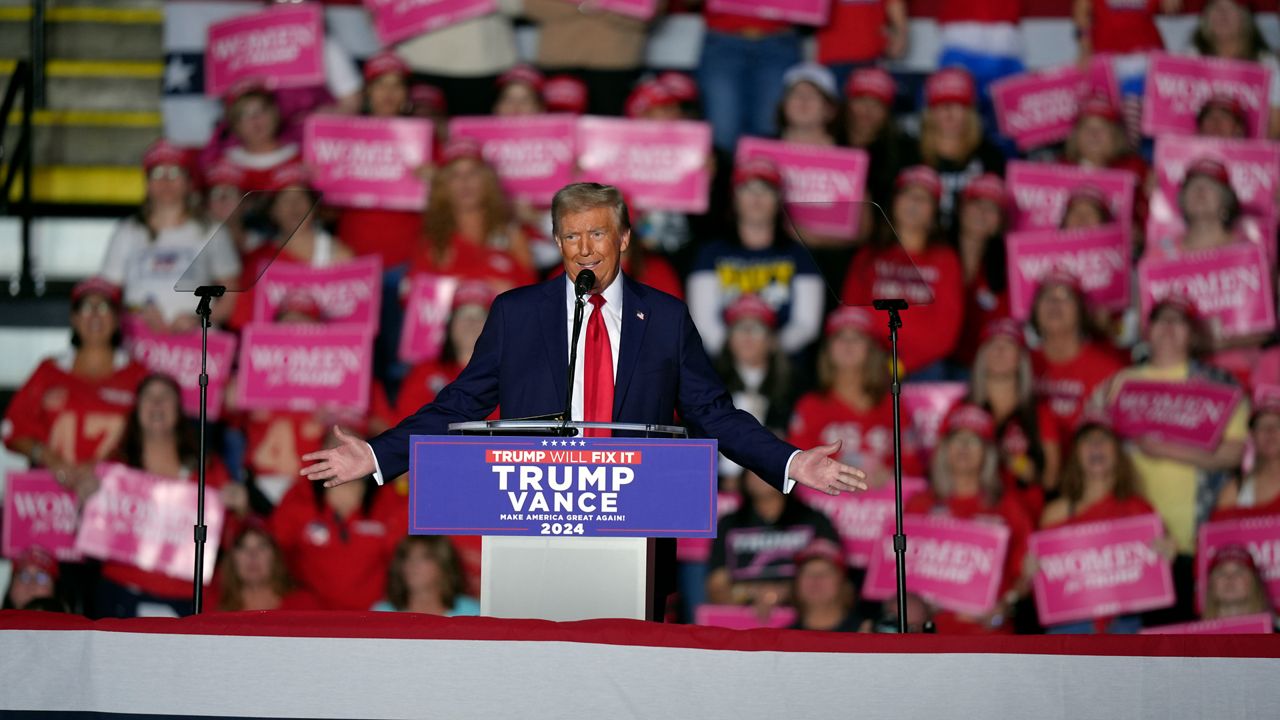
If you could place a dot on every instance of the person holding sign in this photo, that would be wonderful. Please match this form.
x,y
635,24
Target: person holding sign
x,y
659,367
1210,208
1257,493
1229,29
1234,586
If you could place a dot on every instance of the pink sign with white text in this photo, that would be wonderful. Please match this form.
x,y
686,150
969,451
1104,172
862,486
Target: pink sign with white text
x,y
1260,535
1256,624
657,164
1099,257
1178,86
859,517
396,20
1193,413
350,292
304,367
924,406
1098,569
283,46
426,317
178,356
954,564
1231,287
368,162
740,617
38,512
822,186
533,155
1040,192
801,12
1039,108
145,520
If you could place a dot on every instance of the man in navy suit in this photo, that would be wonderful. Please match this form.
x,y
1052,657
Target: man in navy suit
x,y
659,367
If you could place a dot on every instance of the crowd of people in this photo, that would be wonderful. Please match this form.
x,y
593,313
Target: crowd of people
x,y
1031,444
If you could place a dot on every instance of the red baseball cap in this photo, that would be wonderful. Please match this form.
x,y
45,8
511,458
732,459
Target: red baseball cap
x,y
1004,327
872,82
224,173
460,148
293,174
1100,107
1266,399
682,86
821,549
163,153
473,292
428,96
1233,553
384,63
987,186
949,85
97,285
1210,168
749,306
565,93
921,176
1094,417
851,317
757,169
970,417
1179,302
526,74
38,558
648,95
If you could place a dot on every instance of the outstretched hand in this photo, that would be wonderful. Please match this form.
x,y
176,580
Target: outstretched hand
x,y
814,468
350,460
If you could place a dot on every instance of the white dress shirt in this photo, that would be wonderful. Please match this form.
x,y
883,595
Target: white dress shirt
x,y
613,325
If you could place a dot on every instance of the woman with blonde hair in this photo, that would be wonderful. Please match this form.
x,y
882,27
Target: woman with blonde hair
x,y
1234,586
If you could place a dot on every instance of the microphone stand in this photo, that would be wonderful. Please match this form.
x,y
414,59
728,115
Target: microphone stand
x,y
578,307
899,537
206,293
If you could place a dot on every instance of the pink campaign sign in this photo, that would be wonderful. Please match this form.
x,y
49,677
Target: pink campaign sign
x,y
145,520
533,155
1261,535
924,405
178,356
802,12
859,517
639,9
823,187
347,293
426,317
282,46
1254,167
368,162
1098,256
396,20
1039,108
1040,192
658,165
1100,80
1256,624
1178,86
1231,287
738,617
1098,569
304,367
1192,413
954,564
38,512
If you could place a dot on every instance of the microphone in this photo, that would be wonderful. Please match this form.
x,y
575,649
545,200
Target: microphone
x,y
581,286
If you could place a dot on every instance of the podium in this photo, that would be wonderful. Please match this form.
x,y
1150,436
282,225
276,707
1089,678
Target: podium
x,y
568,522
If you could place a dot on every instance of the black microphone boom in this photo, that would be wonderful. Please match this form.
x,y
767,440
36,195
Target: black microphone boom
x,y
581,286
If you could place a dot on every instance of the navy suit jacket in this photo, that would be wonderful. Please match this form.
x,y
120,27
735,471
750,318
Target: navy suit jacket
x,y
521,361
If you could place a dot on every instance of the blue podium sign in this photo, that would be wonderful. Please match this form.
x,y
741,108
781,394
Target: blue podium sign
x,y
601,487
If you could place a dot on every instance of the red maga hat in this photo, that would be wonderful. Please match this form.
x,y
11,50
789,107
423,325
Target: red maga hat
x,y
681,85
749,306
1004,327
428,96
821,549
566,94
873,83
1210,168
526,74
460,148
920,176
971,418
648,95
987,186
162,152
384,63
851,317
757,169
97,285
1233,553
1100,107
949,85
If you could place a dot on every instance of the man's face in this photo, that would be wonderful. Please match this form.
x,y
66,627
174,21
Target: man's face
x,y
591,240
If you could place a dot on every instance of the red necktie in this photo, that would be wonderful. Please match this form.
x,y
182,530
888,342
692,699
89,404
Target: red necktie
x,y
597,379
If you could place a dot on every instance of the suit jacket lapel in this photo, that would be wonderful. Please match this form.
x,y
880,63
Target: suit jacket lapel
x,y
634,312
554,316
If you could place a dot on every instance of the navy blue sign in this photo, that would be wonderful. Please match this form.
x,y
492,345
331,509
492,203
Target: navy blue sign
x,y
601,487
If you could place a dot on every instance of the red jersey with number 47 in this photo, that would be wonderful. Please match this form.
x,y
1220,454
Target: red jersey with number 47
x,y
80,420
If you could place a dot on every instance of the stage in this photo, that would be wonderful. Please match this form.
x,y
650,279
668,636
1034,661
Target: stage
x,y
386,665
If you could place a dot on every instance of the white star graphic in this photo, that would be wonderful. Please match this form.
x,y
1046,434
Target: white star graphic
x,y
582,443
177,75
544,443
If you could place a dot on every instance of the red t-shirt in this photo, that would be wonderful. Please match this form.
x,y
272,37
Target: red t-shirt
x,y
741,24
1124,26
1007,512
1238,513
422,384
342,561
1014,447
156,583
1065,386
981,306
389,234
933,277
855,32
472,261
822,417
1108,508
79,419
988,11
